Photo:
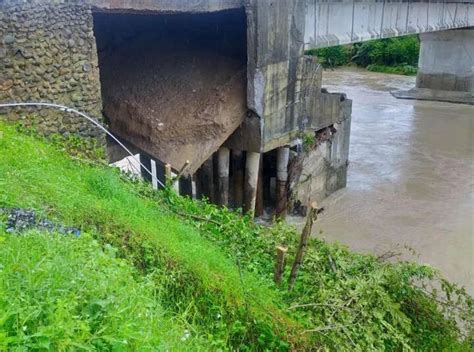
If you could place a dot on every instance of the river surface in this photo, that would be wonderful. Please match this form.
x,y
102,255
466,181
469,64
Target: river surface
x,y
411,176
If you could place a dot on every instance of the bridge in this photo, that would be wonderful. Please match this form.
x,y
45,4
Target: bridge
x,y
224,84
329,23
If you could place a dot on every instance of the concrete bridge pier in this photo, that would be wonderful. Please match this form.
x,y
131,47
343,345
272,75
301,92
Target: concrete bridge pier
x,y
205,181
252,168
223,157
445,67
238,167
283,156
145,160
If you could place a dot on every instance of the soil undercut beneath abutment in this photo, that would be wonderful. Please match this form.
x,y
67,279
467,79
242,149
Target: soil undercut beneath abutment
x,y
173,85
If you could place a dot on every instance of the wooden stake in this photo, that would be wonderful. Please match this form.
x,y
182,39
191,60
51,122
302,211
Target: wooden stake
x,y
181,171
312,216
279,263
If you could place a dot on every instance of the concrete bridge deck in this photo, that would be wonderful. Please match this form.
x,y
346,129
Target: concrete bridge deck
x,y
329,23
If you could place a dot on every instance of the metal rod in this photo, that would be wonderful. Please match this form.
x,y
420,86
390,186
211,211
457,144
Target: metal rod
x,y
94,122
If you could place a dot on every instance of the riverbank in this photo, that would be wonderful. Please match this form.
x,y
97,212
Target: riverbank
x,y
410,186
210,270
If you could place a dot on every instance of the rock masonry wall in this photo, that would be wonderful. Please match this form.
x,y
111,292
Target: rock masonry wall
x,y
48,53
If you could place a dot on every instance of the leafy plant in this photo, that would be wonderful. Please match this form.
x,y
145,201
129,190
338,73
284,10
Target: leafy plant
x,y
334,55
391,55
389,52
348,301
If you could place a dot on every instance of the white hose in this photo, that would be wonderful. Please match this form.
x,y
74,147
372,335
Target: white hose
x,y
97,124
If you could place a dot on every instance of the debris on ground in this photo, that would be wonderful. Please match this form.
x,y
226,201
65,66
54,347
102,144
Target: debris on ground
x,y
20,220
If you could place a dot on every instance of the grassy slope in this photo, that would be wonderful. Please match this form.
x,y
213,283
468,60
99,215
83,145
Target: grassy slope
x,y
35,175
61,292
346,301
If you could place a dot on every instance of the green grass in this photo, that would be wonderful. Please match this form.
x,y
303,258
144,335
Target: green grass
x,y
210,269
65,293
193,276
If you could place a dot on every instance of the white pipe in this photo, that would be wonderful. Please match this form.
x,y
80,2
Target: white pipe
x,y
97,124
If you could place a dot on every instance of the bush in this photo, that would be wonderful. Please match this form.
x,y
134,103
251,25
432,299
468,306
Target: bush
x,y
333,56
390,52
392,55
349,301
65,293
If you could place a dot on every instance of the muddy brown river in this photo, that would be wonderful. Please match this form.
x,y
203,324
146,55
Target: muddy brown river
x,y
411,176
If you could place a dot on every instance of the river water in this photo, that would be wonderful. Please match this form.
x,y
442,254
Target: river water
x,y
411,176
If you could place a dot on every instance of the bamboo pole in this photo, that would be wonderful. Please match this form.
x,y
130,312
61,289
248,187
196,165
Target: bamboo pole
x,y
305,234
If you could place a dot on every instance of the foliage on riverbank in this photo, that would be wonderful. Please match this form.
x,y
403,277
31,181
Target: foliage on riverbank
x,y
211,269
392,55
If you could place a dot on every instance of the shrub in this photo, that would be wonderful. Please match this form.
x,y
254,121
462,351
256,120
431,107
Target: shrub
x,y
391,51
392,55
349,301
333,56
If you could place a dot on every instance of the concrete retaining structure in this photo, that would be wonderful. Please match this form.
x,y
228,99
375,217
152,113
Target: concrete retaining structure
x,y
321,168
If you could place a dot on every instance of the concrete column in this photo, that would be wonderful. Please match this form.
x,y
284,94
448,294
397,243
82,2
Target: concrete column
x,y
445,67
146,161
199,186
206,180
186,186
446,61
259,206
238,167
251,180
223,156
283,156
159,171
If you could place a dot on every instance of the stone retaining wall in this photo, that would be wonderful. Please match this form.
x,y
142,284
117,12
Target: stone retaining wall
x,y
48,53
